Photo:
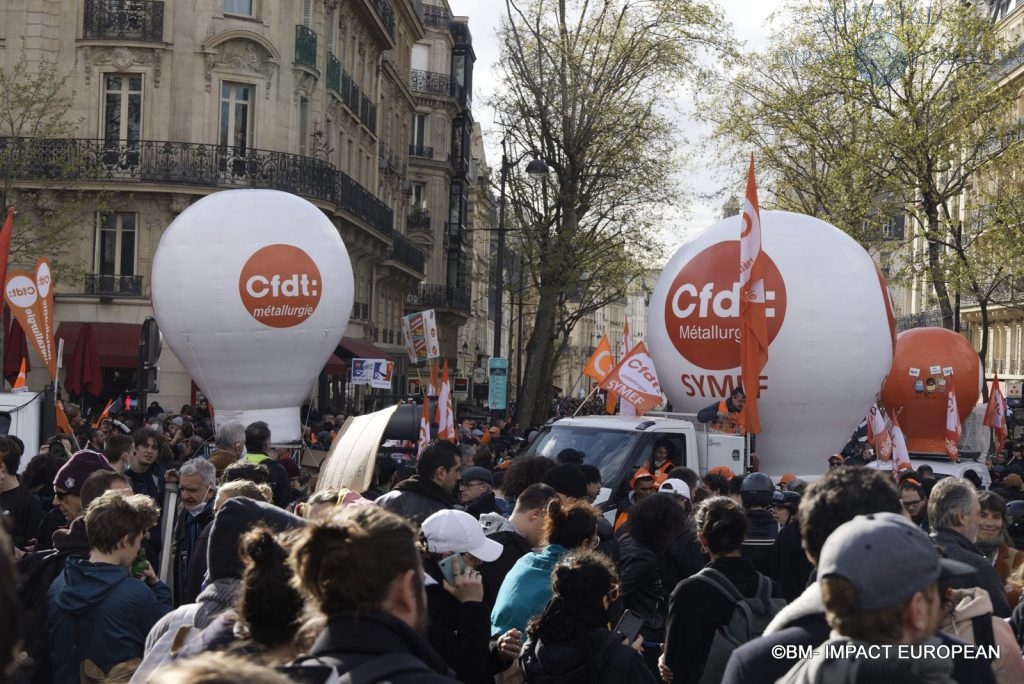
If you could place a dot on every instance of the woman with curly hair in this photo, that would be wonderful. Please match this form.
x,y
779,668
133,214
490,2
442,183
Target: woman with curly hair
x,y
570,642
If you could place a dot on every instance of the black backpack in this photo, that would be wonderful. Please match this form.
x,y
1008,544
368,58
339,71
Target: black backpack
x,y
36,572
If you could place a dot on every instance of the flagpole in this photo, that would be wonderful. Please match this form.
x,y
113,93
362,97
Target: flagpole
x,y
592,393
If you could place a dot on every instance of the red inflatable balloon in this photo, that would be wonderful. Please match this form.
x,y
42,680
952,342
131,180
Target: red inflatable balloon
x,y
916,389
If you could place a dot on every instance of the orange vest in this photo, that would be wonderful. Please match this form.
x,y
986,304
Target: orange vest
x,y
727,425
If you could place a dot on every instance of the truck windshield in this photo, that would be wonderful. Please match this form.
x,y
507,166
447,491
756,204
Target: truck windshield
x,y
606,449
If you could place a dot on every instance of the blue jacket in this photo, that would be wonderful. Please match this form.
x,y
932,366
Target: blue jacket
x,y
114,612
525,590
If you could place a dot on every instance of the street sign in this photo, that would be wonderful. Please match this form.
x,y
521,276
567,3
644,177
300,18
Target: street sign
x,y
497,396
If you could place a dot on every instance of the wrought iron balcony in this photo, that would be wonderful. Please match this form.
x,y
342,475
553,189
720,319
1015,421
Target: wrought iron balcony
x,y
440,296
421,151
386,14
113,285
405,252
352,101
124,20
333,73
154,161
418,222
305,46
436,17
430,82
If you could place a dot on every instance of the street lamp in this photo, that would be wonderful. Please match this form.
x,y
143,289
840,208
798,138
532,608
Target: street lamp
x,y
537,169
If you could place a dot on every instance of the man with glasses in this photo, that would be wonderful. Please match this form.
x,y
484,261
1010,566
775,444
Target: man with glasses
x,y
476,493
197,485
915,503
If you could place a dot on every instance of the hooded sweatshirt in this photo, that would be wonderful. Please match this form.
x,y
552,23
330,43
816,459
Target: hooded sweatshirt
x,y
97,611
1008,668
526,589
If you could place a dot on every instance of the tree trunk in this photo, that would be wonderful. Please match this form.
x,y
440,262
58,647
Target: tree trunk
x,y
983,349
531,408
935,267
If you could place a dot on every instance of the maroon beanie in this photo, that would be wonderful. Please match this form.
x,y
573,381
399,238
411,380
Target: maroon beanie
x,y
72,474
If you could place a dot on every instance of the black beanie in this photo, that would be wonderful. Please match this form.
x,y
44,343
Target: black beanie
x,y
236,517
567,480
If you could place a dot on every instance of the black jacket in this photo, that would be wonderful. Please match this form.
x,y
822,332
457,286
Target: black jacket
x,y
602,660
761,533
694,613
640,580
514,546
197,566
755,662
352,638
789,564
958,547
680,560
187,530
415,499
459,631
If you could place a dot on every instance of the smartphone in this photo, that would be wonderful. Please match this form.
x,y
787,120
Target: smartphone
x,y
629,625
451,566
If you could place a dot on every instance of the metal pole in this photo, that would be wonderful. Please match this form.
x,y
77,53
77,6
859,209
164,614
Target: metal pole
x,y
499,283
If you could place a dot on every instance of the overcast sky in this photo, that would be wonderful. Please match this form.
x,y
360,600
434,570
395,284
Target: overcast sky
x,y
748,21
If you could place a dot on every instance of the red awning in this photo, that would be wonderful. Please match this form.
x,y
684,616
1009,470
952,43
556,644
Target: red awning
x,y
335,366
117,344
353,348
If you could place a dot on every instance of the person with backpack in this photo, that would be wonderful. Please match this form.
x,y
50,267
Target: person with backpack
x,y
569,643
361,569
970,618
727,603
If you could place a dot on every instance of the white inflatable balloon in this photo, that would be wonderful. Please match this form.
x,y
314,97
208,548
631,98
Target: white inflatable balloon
x,y
830,327
252,290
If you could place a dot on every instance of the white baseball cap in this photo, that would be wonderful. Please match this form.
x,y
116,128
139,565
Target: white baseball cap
x,y
675,486
459,532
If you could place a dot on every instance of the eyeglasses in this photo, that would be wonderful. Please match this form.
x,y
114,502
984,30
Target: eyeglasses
x,y
60,495
912,504
614,593
834,464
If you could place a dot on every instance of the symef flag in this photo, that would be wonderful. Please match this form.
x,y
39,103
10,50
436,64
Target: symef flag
x,y
878,434
600,362
445,414
900,455
753,321
634,380
995,413
952,418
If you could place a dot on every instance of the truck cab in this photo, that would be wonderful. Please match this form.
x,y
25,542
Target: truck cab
x,y
619,445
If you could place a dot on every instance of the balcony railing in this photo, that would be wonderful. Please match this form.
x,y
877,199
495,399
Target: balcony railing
x,y
124,20
441,296
436,17
333,73
353,98
153,161
418,222
405,252
421,151
430,82
305,46
386,14
113,285
456,232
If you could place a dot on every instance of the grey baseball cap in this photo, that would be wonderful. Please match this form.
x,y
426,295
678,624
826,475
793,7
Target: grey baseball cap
x,y
887,559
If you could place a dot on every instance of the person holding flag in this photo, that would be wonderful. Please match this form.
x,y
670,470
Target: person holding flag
x,y
724,416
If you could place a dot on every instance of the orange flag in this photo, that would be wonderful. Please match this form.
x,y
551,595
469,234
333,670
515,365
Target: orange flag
x,y
30,296
878,434
424,428
995,413
625,408
753,323
600,361
633,378
900,455
445,414
434,388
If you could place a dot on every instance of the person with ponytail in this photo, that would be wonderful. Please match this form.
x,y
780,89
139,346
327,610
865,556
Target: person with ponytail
x,y
570,641
361,569
527,587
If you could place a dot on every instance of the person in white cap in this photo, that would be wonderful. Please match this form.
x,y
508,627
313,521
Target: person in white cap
x,y
459,623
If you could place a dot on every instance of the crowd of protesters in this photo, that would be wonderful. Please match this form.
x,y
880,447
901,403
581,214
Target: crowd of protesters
x,y
476,563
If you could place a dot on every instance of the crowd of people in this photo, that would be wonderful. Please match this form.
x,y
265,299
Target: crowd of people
x,y
170,553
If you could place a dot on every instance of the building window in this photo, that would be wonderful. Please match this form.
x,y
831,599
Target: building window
x,y
116,243
304,126
419,130
236,116
307,13
238,7
122,109
419,197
